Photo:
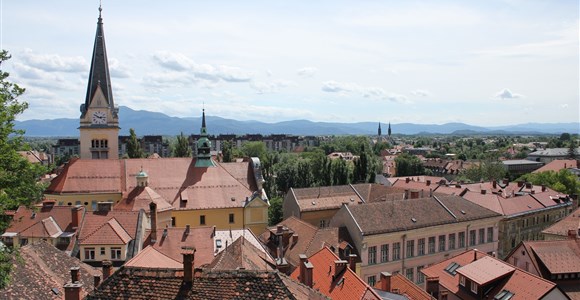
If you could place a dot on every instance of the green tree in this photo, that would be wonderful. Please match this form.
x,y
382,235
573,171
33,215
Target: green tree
x,y
181,147
134,146
562,181
408,165
340,172
485,170
572,149
254,149
275,212
227,153
565,136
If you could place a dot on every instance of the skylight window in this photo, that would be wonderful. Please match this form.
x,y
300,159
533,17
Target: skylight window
x,y
504,295
452,268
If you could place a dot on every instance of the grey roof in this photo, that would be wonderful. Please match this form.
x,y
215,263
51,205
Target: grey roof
x,y
552,152
521,162
401,215
99,73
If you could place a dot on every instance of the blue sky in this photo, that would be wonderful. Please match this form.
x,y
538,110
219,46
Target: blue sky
x,y
477,62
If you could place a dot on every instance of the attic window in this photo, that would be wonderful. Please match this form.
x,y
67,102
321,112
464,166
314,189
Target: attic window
x,y
452,268
414,220
504,295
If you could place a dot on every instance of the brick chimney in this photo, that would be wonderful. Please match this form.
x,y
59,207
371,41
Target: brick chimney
x,y
528,185
432,286
96,281
188,260
107,268
543,187
483,192
352,262
308,280
153,216
303,260
506,181
407,180
494,184
520,183
386,281
339,267
72,290
428,181
76,214
187,229
573,234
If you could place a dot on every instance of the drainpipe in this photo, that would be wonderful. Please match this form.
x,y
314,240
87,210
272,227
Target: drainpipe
x,y
467,237
404,253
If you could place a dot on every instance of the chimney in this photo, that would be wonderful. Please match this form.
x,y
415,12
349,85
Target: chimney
x,y
187,229
386,281
483,192
407,180
573,234
543,187
96,281
528,185
188,259
520,183
294,239
213,231
428,182
432,286
414,195
308,280
153,217
279,229
352,262
76,213
74,274
107,268
303,261
72,290
506,181
339,267
104,206
494,184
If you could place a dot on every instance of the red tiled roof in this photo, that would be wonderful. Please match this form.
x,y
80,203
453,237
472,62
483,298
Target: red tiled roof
x,y
40,268
351,287
172,179
559,256
140,198
310,238
108,228
406,287
562,227
485,269
153,258
242,254
23,218
147,283
521,283
557,165
170,245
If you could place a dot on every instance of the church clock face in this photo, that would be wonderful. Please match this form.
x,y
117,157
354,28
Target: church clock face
x,y
99,117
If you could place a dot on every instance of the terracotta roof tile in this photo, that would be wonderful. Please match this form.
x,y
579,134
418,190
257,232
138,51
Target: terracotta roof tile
x,y
105,227
350,287
557,165
146,283
40,268
559,256
562,227
400,215
171,243
406,287
140,198
242,254
521,283
153,258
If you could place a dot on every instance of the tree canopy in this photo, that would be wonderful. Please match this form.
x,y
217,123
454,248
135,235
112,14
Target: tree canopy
x,y
562,181
181,147
134,146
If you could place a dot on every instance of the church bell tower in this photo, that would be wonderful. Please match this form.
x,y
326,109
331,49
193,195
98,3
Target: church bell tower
x,y
99,121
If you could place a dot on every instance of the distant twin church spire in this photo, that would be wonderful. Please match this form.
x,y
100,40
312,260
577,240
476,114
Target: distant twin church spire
x,y
99,121
379,132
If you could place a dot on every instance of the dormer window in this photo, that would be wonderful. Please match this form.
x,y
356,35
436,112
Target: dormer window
x,y
474,287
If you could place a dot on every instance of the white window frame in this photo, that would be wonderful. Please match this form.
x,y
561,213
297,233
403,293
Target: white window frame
x,y
474,287
116,253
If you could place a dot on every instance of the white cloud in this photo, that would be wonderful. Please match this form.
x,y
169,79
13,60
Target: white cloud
x,y
376,93
507,94
269,87
420,93
181,63
167,79
118,70
307,72
55,62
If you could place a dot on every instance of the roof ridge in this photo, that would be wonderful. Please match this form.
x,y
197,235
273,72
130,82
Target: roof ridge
x,y
303,222
114,230
446,208
241,183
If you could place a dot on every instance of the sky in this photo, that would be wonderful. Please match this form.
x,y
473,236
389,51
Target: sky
x,y
483,63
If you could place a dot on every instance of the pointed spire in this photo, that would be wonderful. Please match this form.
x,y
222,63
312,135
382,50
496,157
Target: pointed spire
x,y
203,118
379,129
99,73
389,131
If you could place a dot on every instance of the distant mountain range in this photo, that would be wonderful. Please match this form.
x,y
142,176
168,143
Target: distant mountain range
x,y
154,123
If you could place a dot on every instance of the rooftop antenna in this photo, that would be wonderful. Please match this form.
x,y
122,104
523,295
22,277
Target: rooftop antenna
x,y
100,8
